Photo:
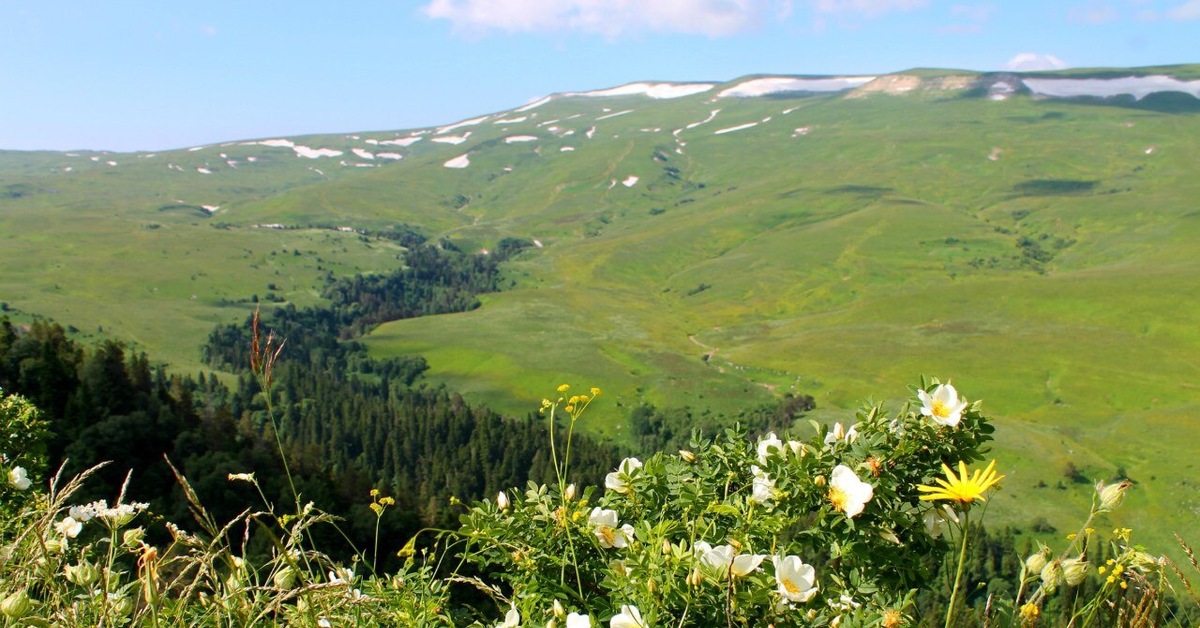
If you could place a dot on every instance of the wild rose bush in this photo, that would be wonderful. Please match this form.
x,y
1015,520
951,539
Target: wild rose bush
x,y
734,531
831,530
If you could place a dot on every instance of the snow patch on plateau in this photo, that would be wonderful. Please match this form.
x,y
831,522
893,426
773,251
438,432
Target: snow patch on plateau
x,y
389,155
511,120
739,127
462,161
512,139
203,170
630,181
277,143
459,125
313,153
407,141
452,139
781,84
613,115
710,117
1137,86
537,103
653,90
363,153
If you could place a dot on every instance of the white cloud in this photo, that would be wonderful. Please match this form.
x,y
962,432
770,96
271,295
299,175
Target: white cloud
x,y
1186,11
870,8
611,18
1033,61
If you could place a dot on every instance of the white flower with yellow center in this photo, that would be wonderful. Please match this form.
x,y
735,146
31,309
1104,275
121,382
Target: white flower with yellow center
x,y
944,406
618,480
847,493
796,581
576,620
608,530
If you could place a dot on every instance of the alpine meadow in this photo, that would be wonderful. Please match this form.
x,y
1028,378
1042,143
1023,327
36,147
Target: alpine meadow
x,y
762,254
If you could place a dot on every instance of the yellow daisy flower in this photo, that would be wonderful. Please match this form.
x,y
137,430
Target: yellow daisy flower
x,y
963,488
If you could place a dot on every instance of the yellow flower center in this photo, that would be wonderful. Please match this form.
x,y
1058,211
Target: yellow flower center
x,y
838,498
939,408
609,534
791,587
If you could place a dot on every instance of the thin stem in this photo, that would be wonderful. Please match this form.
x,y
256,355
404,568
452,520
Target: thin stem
x,y
962,559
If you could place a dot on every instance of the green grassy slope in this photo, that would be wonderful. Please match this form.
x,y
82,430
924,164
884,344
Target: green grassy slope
x,y
1041,252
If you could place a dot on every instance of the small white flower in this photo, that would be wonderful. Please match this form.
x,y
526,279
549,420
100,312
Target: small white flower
x,y
844,603
241,477
768,447
763,487
619,480
848,493
341,575
840,434
502,501
608,530
944,406
324,623
629,617
69,527
86,512
575,620
722,560
512,619
796,581
19,478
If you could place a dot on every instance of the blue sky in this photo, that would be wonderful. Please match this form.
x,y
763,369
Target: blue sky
x,y
152,75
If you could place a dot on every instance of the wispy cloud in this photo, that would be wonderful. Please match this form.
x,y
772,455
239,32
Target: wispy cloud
x,y
1034,61
611,18
869,8
1186,11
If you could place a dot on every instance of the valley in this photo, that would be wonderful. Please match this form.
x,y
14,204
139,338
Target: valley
x,y
712,245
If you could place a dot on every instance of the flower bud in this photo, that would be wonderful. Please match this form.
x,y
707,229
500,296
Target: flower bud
x,y
1035,563
122,606
819,481
82,574
1052,576
133,537
1111,495
666,547
16,605
558,609
502,501
285,578
1145,562
1074,570
569,495
687,456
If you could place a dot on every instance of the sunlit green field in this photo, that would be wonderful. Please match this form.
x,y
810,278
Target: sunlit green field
x,y
1040,253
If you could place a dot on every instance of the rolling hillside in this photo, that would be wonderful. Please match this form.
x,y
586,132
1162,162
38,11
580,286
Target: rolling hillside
x,y
1031,236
